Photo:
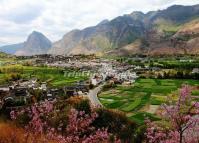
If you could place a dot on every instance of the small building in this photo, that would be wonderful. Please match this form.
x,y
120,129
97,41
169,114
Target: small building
x,y
195,70
94,81
18,95
76,90
43,86
50,97
4,91
8,101
19,91
56,92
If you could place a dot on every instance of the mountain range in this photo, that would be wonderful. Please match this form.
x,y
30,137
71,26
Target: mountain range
x,y
174,30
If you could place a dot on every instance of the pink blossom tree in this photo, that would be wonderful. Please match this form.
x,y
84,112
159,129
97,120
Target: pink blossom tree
x,y
78,130
181,121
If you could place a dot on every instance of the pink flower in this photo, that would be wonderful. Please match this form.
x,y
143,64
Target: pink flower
x,y
78,130
183,125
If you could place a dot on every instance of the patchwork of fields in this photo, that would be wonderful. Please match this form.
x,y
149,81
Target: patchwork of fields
x,y
142,99
53,76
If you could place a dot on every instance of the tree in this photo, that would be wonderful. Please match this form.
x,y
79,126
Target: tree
x,y
79,128
181,122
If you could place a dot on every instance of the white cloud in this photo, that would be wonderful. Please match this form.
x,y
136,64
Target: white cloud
x,y
56,17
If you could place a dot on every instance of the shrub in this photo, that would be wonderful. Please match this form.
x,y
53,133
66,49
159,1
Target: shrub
x,y
38,94
116,122
83,105
139,134
73,100
13,77
108,86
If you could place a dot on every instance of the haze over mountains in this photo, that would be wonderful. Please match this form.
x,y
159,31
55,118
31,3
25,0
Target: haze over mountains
x,y
174,30
11,49
35,44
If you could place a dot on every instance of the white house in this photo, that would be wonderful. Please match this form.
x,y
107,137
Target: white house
x,y
195,70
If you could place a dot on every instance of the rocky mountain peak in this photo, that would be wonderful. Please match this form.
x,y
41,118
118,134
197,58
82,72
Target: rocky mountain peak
x,y
36,43
103,22
39,38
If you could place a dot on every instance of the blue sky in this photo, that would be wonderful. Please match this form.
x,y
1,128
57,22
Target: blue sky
x,y
54,18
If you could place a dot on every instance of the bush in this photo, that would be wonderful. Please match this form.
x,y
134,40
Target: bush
x,y
20,103
12,69
108,86
116,122
140,134
28,63
22,119
80,127
38,94
73,100
13,77
83,105
60,116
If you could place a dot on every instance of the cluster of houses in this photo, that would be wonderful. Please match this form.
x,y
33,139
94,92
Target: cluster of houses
x,y
195,70
22,92
58,59
18,93
13,95
115,74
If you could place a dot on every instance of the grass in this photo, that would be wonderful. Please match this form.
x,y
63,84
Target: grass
x,y
11,133
54,76
168,26
195,92
142,116
115,104
132,105
157,100
2,79
134,99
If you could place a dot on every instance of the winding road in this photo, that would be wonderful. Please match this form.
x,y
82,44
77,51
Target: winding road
x,y
92,95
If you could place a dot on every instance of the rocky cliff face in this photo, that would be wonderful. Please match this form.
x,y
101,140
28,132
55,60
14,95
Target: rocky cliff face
x,y
36,44
100,38
132,33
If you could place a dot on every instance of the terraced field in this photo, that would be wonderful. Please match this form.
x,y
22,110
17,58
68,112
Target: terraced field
x,y
142,99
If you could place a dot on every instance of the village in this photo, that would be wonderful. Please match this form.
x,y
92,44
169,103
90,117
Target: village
x,y
98,70
93,71
24,92
136,86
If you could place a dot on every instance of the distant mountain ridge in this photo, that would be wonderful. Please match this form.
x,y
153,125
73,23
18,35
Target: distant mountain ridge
x,y
174,30
35,44
150,33
11,49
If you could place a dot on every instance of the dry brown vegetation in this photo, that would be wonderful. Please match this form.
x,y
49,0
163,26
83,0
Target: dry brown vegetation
x,y
10,133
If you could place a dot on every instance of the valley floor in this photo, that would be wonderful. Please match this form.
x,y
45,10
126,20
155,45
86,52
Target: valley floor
x,y
143,99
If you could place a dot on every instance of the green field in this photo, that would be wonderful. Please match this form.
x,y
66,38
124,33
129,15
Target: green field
x,y
134,99
54,76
